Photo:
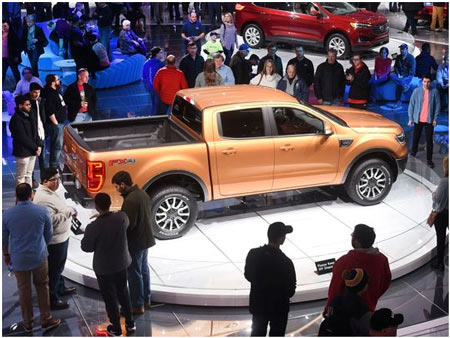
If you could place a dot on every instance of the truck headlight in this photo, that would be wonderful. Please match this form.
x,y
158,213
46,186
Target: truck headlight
x,y
360,25
400,138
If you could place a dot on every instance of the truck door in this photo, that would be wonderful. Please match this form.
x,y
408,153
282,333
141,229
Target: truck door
x,y
304,156
244,152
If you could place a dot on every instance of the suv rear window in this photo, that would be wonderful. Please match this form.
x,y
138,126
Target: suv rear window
x,y
188,114
245,123
282,6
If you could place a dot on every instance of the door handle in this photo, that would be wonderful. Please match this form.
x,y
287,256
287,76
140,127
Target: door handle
x,y
230,151
287,147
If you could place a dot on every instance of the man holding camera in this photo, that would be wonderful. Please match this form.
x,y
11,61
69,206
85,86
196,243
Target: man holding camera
x,y
61,214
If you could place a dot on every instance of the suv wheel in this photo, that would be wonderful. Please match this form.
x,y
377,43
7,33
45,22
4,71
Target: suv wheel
x,y
253,36
173,210
339,43
369,182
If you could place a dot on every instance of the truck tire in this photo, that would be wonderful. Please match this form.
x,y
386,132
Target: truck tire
x,y
340,43
369,182
174,210
253,36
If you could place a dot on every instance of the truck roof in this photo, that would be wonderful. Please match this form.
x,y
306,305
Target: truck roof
x,y
223,95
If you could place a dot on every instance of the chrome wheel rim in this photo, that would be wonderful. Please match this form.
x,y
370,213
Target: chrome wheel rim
x,y
172,214
372,183
337,44
252,36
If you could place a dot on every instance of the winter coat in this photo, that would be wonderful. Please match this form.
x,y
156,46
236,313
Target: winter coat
x,y
241,69
39,35
72,98
24,134
305,69
136,205
301,90
359,87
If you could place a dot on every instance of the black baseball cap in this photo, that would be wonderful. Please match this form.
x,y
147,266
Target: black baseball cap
x,y
278,229
403,46
384,318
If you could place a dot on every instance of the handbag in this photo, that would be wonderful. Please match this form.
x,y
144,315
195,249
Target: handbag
x,y
432,218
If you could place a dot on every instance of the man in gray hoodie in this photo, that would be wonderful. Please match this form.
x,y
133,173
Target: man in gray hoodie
x,y
61,214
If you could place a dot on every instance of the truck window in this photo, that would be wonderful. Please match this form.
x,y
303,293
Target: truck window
x,y
291,121
245,123
188,114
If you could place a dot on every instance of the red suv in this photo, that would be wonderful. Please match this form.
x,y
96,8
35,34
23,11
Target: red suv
x,y
336,25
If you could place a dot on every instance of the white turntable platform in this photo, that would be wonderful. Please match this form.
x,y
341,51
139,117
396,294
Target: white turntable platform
x,y
205,267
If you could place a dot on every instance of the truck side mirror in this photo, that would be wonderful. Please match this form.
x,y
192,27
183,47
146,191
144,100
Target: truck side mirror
x,y
327,130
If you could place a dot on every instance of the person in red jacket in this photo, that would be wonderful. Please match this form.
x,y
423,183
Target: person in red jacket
x,y
168,81
366,257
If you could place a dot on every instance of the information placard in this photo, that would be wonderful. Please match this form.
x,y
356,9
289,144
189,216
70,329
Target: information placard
x,y
325,266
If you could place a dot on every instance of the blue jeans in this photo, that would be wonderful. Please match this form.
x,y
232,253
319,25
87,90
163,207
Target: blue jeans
x,y
228,55
164,108
401,83
334,102
139,278
83,117
374,85
104,35
154,99
33,56
56,143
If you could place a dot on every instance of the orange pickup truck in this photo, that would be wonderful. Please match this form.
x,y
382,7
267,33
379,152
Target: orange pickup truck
x,y
230,141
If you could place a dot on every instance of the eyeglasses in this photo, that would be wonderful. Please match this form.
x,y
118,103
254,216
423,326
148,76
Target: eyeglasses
x,y
54,179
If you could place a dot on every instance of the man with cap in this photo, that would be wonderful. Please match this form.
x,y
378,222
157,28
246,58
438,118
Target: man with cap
x,y
240,66
273,281
366,257
213,46
384,323
404,70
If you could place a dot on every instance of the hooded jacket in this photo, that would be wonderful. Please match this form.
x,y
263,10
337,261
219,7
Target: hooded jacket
x,y
241,68
359,88
24,134
60,213
371,260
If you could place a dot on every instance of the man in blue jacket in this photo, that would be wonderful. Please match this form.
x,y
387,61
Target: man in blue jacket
x,y
423,111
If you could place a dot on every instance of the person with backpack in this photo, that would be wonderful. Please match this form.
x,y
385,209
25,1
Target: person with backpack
x,y
347,315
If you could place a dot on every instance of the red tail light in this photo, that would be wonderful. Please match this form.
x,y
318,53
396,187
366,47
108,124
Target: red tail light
x,y
95,172
239,7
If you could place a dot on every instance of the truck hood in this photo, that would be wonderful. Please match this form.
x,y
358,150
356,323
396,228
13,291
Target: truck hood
x,y
364,16
364,121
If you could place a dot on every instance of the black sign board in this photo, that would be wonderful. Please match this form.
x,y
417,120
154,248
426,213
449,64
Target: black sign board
x,y
325,266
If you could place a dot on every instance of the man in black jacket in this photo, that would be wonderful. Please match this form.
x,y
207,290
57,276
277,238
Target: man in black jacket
x,y
38,117
271,54
81,98
26,142
136,204
33,43
273,281
191,64
240,66
55,110
358,77
305,68
106,237
329,81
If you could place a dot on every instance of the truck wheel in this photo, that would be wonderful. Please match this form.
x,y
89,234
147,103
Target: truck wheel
x,y
369,182
253,36
339,43
174,210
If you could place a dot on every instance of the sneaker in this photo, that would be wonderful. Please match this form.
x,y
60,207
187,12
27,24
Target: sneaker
x,y
138,310
112,332
52,323
27,329
130,327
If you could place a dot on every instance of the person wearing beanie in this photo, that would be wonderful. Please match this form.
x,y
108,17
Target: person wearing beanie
x,y
384,323
366,257
347,315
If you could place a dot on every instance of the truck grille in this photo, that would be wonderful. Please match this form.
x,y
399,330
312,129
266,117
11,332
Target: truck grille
x,y
380,29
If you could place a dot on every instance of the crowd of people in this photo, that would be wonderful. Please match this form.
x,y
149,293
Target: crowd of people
x,y
120,253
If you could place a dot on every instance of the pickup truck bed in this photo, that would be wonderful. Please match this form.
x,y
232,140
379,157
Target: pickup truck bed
x,y
123,134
